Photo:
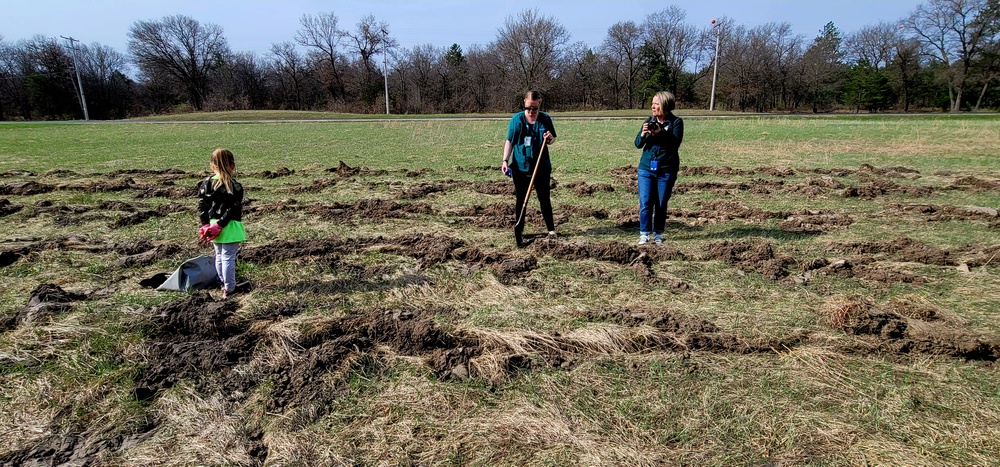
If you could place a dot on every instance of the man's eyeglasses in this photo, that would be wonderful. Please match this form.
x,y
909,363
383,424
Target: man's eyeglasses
x,y
531,108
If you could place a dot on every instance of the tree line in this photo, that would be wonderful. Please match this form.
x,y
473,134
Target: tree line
x,y
943,56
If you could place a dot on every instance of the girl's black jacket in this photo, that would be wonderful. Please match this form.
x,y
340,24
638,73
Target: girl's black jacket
x,y
216,203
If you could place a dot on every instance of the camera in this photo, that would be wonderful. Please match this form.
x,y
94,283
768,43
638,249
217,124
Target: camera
x,y
653,125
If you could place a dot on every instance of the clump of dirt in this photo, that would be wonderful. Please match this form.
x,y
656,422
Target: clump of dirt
x,y
423,190
753,255
98,186
888,171
888,330
47,300
943,213
148,256
659,318
862,268
308,249
170,172
369,209
970,183
7,208
139,217
815,221
165,189
584,211
74,448
586,189
643,268
430,249
190,339
343,170
880,187
813,187
491,216
499,187
316,186
27,188
282,172
615,252
903,248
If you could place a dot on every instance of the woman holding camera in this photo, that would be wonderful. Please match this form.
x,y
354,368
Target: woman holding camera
x,y
660,138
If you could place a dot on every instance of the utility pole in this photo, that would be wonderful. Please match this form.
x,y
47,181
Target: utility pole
x,y
83,100
715,71
385,67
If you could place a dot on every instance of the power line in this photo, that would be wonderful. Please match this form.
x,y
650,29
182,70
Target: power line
x,y
83,100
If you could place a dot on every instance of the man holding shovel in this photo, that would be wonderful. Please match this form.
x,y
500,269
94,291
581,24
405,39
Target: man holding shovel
x,y
526,160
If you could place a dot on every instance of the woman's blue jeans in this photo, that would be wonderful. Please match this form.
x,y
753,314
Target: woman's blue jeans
x,y
654,193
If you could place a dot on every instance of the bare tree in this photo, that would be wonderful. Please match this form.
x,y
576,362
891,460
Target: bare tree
x,y
290,68
874,45
622,48
181,48
321,34
370,39
105,74
530,47
954,33
677,44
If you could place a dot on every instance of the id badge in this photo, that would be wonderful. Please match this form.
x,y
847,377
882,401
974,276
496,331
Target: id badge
x,y
527,141
654,164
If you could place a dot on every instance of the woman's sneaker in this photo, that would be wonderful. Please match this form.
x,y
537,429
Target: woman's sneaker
x,y
643,239
657,239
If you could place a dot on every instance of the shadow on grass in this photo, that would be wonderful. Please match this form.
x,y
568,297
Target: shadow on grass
x,y
741,232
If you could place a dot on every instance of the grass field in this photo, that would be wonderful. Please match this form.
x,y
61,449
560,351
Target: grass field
x,y
827,294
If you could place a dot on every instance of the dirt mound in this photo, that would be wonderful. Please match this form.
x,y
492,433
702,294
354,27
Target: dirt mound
x,y
584,211
615,252
896,171
862,268
944,213
191,338
8,208
317,185
282,172
889,331
816,221
880,187
369,209
72,449
98,186
753,255
499,187
136,253
25,188
902,248
491,216
423,190
658,318
47,300
586,189
970,183
343,170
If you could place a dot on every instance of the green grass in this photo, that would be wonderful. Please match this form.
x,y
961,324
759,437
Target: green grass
x,y
829,399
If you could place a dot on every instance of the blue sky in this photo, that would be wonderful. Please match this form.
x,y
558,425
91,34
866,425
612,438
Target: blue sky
x,y
253,25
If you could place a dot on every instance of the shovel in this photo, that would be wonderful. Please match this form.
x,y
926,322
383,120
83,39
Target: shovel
x,y
527,196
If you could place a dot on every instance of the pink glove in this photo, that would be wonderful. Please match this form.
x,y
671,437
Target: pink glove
x,y
202,233
208,232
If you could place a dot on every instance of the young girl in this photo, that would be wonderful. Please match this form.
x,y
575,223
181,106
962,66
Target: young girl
x,y
220,209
